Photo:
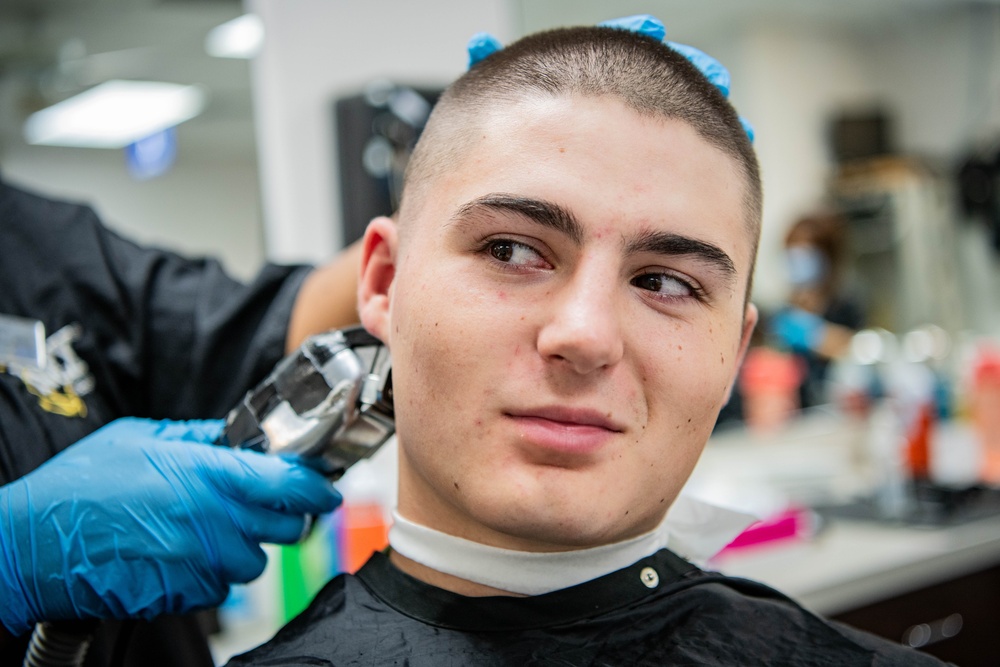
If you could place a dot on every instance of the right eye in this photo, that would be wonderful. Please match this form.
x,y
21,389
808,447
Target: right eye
x,y
515,254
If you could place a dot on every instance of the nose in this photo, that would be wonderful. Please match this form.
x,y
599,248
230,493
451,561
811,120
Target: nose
x,y
581,328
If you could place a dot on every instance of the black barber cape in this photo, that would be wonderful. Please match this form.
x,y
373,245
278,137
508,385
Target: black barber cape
x,y
132,332
659,611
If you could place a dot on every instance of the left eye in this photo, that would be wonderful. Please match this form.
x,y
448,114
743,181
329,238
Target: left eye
x,y
664,285
512,252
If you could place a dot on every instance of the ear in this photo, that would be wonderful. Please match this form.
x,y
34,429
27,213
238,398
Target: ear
x,y
378,270
750,317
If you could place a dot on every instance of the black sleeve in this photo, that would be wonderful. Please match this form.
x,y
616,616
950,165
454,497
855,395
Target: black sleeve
x,y
845,311
165,336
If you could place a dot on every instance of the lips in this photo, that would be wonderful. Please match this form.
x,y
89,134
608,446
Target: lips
x,y
573,431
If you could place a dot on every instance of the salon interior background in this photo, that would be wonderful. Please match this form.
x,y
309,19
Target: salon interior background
x,y
256,173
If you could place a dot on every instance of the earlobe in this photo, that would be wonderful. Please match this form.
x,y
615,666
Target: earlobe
x,y
378,270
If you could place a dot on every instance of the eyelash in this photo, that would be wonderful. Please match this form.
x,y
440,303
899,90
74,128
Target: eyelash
x,y
697,293
487,245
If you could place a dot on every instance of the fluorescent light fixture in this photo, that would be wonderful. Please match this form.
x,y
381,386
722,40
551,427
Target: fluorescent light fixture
x,y
240,38
114,114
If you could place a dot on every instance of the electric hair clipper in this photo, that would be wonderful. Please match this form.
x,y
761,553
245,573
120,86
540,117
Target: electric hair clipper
x,y
329,403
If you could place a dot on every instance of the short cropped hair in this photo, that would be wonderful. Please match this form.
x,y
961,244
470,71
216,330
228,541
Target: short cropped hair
x,y
645,74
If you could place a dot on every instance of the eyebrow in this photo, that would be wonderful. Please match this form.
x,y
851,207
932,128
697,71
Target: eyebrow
x,y
562,220
539,211
665,243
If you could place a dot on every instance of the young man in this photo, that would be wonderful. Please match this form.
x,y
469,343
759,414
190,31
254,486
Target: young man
x,y
564,292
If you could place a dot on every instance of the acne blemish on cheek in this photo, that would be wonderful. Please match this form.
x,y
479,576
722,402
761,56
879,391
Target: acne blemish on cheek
x,y
456,486
722,359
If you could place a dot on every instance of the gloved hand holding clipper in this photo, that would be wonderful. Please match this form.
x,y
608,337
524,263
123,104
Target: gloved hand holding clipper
x,y
143,518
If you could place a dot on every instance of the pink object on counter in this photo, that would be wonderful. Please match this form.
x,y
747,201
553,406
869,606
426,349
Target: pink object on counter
x,y
793,523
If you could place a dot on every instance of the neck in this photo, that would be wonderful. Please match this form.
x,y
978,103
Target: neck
x,y
474,569
446,581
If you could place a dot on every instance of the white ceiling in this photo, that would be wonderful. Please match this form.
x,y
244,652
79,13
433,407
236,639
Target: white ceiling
x,y
51,49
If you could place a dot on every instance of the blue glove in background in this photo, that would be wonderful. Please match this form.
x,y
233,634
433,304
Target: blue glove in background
x,y
143,518
644,24
483,44
798,329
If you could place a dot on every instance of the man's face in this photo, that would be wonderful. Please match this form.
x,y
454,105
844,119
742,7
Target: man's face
x,y
565,313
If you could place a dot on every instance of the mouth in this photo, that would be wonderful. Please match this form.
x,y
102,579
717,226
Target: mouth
x,y
577,431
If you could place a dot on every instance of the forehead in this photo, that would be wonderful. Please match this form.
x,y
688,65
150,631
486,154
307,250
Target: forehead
x,y
616,170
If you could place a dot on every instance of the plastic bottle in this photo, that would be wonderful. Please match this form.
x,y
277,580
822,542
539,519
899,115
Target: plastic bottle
x,y
769,383
369,496
984,410
913,386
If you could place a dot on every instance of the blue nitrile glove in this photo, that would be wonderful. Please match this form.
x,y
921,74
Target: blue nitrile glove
x,y
798,329
143,518
644,24
483,44
480,45
713,70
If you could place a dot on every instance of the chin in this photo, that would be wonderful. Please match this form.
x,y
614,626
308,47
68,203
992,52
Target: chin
x,y
527,529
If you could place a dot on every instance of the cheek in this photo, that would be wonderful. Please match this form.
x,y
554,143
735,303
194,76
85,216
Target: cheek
x,y
686,379
445,343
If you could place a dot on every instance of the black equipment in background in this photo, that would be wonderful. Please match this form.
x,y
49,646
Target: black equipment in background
x,y
376,131
978,180
860,135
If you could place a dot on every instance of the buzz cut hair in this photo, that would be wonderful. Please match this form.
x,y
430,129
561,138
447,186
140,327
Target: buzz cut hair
x,y
643,73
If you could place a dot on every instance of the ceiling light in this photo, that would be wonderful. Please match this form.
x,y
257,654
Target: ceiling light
x,y
114,114
240,38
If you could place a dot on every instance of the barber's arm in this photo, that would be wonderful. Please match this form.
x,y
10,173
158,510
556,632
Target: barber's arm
x,y
143,518
804,331
327,299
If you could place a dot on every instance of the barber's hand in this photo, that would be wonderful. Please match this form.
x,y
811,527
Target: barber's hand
x,y
483,44
798,329
143,518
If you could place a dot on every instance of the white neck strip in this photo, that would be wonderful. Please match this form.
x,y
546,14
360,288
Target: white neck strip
x,y
523,572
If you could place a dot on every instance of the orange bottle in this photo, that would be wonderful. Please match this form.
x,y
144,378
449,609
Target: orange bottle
x,y
364,531
918,440
984,409
769,382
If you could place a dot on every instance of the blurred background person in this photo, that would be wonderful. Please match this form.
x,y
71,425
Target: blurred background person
x,y
821,315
